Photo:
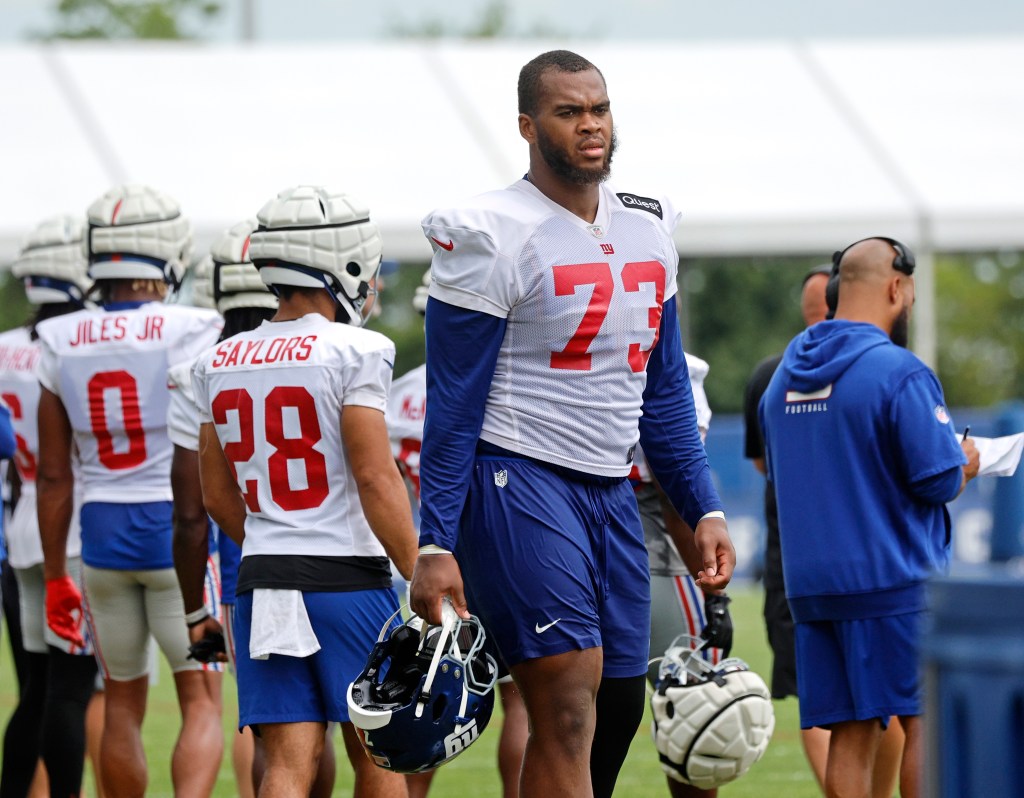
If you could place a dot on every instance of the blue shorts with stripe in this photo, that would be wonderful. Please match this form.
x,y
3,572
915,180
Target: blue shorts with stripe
x,y
553,565
858,669
282,689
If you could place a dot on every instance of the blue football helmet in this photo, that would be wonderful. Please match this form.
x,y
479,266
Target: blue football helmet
x,y
426,693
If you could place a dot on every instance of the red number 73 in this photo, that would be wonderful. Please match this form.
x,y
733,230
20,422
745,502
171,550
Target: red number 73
x,y
568,278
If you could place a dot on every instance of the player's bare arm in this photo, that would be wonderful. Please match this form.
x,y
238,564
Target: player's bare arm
x,y
221,494
191,532
718,557
382,493
55,483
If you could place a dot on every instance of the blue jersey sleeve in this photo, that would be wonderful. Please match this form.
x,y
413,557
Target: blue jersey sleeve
x,y
668,427
7,443
462,351
930,455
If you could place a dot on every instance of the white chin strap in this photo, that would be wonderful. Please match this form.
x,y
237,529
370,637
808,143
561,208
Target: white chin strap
x,y
449,618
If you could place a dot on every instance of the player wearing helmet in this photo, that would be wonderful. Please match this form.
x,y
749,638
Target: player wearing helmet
x,y
49,720
104,392
295,462
552,346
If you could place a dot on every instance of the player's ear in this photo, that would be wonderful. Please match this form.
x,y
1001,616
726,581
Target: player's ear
x,y
526,128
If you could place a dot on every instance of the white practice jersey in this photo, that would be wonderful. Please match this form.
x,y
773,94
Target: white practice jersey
x,y
182,412
19,389
275,395
583,308
109,368
406,410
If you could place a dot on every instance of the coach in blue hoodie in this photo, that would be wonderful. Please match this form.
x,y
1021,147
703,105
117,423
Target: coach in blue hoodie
x,y
864,457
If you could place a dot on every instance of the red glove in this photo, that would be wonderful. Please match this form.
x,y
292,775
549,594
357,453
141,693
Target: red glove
x,y
64,609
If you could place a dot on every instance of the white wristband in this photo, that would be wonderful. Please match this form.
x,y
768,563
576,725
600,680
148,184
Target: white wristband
x,y
713,514
193,618
430,548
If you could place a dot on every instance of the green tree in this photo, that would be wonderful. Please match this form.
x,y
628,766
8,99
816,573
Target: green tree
x,y
131,19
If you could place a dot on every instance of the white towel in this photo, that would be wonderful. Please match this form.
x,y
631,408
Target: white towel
x,y
280,625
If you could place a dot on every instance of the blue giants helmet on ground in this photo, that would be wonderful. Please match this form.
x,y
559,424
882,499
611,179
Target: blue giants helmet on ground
x,y
426,693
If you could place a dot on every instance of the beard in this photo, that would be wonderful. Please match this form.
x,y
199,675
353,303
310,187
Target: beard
x,y
558,161
900,334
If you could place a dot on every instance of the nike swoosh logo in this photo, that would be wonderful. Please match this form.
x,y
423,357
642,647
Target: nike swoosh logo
x,y
542,629
449,246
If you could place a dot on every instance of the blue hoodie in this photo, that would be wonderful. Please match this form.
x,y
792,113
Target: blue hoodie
x,y
863,456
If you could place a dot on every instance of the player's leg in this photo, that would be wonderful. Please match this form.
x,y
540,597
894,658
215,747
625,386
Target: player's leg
x,y
418,784
23,605
241,742
94,734
532,559
515,730
370,780
624,611
327,768
886,776
292,752
200,746
115,611
560,695
70,686
912,765
851,758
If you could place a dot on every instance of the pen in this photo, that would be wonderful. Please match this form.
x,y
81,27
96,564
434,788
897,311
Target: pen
x,y
966,430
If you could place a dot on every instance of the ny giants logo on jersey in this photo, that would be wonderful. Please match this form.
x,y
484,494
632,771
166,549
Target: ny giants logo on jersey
x,y
115,328
263,350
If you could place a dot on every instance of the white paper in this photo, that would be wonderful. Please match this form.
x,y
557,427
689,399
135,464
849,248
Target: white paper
x,y
999,456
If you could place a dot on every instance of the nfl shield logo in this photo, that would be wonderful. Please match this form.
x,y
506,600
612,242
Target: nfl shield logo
x,y
501,478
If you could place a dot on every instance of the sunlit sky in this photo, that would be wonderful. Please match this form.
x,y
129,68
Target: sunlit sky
x,y
291,20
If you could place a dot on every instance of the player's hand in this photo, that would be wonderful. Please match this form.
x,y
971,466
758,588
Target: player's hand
x,y
716,553
718,629
64,609
973,459
435,576
207,639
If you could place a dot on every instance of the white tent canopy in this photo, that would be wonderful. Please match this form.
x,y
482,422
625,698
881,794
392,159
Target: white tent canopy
x,y
770,147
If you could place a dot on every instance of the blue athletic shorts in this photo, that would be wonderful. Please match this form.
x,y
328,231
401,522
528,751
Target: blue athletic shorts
x,y
283,689
858,670
554,565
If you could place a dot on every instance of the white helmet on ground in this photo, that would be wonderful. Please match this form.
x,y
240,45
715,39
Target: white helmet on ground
x,y
137,233
711,722
311,237
52,263
235,282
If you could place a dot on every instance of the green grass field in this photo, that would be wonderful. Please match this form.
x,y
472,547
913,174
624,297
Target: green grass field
x,y
781,773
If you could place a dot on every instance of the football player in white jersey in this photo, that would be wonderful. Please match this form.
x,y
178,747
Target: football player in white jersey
x,y
103,374
550,337
295,462
407,407
50,717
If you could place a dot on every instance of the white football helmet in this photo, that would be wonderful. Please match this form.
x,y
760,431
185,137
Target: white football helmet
x,y
311,237
419,299
137,233
711,722
52,263
196,286
235,282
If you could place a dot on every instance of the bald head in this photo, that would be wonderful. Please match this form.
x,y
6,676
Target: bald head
x,y
812,298
870,289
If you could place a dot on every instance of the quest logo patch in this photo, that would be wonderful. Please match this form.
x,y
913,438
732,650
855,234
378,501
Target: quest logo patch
x,y
641,203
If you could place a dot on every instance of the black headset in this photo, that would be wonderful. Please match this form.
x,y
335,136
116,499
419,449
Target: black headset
x,y
903,262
